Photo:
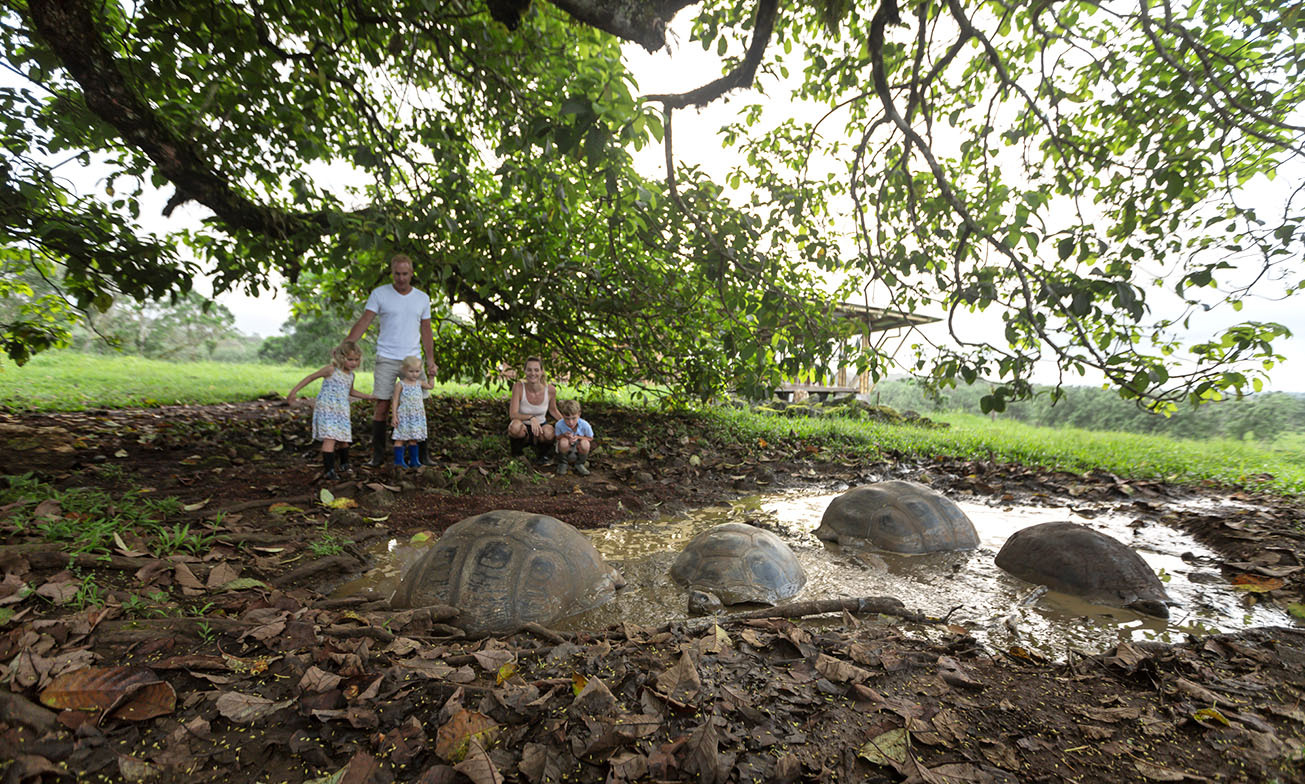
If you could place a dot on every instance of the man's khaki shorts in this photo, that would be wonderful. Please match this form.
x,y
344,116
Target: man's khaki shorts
x,y
386,373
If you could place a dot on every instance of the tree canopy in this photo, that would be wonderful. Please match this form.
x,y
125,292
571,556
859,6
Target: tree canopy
x,y
1079,167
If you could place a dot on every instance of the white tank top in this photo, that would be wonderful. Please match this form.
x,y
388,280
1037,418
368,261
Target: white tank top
x,y
531,409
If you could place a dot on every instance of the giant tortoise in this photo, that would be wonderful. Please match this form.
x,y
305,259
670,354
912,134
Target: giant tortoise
x,y
504,569
897,516
1077,560
740,563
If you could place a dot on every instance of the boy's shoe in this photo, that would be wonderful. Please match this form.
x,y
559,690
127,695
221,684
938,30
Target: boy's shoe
x,y
562,469
581,468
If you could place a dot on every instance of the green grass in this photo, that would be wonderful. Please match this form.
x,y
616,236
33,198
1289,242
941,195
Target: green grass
x,y
67,381
1129,455
89,520
70,381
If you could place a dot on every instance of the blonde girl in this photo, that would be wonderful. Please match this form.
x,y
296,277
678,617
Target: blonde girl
x,y
331,423
408,413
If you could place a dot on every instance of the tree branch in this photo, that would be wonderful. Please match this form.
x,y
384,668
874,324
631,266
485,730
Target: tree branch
x,y
640,22
69,27
741,76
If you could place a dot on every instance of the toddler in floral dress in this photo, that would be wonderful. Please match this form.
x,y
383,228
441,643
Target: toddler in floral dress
x,y
408,413
331,423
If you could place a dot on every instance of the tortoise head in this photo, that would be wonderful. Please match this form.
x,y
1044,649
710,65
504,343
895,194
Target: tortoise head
x,y
1150,607
704,603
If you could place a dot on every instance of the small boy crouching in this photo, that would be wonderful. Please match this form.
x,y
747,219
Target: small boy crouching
x,y
573,437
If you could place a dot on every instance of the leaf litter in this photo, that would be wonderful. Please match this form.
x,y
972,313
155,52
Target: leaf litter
x,y
273,682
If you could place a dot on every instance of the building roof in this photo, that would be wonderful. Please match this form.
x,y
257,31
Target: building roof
x,y
880,319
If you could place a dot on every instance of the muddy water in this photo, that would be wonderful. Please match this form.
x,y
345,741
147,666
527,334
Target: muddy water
x,y
995,606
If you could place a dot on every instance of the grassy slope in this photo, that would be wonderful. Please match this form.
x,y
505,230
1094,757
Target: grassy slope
x,y
1246,464
68,381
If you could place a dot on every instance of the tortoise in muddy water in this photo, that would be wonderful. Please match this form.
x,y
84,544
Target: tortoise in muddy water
x,y
1077,560
739,563
898,516
504,569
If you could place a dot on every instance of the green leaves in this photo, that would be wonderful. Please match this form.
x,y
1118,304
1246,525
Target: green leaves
x,y
317,141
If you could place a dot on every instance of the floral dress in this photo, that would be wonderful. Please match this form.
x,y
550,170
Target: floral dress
x,y
331,412
411,414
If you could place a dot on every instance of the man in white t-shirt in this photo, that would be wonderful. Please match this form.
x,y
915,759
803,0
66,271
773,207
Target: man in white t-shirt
x,y
404,316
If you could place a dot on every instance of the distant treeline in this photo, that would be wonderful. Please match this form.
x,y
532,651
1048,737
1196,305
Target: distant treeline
x,y
1263,417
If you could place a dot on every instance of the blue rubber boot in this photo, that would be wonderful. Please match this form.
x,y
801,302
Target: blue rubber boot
x,y
398,457
413,460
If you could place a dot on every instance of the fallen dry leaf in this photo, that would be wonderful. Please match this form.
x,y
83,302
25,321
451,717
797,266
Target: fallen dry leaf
x,y
478,766
595,699
703,755
247,708
680,682
889,748
186,578
1255,583
132,693
714,641
222,574
133,769
454,738
318,680
840,671
493,660
58,592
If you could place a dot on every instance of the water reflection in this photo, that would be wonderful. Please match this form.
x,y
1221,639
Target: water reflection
x,y
984,598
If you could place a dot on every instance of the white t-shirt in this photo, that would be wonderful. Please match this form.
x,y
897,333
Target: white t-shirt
x,y
399,317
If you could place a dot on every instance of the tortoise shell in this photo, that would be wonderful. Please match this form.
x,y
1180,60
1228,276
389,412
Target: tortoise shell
x,y
504,569
740,563
1077,560
898,516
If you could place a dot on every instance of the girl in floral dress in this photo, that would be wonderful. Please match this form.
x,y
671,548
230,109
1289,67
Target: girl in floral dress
x,y
331,423
408,413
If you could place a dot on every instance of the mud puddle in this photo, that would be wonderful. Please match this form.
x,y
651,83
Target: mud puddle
x,y
996,607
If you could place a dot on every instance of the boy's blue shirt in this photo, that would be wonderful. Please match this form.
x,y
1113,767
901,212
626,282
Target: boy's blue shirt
x,y
582,428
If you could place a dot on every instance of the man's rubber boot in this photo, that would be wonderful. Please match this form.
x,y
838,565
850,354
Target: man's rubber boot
x,y
423,454
379,445
328,466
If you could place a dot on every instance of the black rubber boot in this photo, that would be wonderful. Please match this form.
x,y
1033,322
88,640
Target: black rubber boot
x,y
328,466
342,459
423,454
544,454
380,446
518,446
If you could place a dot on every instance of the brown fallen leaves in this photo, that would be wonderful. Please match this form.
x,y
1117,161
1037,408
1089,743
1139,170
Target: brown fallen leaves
x,y
131,693
765,699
